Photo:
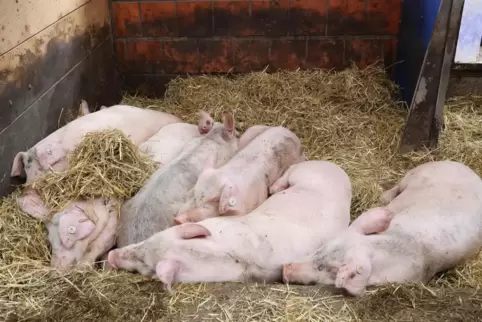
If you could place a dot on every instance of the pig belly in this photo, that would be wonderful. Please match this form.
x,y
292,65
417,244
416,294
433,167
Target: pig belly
x,y
449,231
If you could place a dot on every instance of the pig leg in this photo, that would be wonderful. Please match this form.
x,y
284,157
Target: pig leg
x,y
84,108
353,274
389,195
104,242
166,271
282,183
194,215
373,221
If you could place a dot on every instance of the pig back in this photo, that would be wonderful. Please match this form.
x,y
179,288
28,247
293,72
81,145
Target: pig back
x,y
137,123
153,208
445,219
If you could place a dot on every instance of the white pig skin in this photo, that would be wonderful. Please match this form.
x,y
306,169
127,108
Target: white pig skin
x,y
292,223
241,185
153,208
50,153
82,232
168,142
431,221
164,146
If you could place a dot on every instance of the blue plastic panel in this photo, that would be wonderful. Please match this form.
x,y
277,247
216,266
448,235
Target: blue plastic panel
x,y
418,20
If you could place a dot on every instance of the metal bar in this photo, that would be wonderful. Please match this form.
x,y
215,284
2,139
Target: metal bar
x,y
422,108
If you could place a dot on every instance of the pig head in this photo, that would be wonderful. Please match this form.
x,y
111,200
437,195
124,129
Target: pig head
x,y
80,233
345,261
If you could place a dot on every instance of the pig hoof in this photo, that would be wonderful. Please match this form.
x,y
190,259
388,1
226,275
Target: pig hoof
x,y
276,188
286,273
179,220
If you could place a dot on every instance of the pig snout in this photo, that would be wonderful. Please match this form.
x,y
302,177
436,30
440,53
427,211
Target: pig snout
x,y
205,123
181,219
112,259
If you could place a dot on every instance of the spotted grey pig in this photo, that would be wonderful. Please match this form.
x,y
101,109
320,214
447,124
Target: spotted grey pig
x,y
153,208
430,222
310,205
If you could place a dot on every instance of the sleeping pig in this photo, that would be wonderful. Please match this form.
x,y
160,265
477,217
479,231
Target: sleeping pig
x,y
80,233
168,142
309,206
153,208
51,152
77,237
430,222
241,185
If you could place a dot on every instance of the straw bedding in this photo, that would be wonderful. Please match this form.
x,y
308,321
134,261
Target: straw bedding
x,y
351,118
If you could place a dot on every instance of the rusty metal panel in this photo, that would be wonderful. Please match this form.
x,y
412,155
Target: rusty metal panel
x,y
44,77
20,19
30,69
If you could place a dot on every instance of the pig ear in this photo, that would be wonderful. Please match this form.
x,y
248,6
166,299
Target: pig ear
x,y
166,271
373,221
229,128
31,204
18,167
84,108
191,230
353,275
229,199
74,226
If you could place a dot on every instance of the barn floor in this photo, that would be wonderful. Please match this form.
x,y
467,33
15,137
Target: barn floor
x,y
351,118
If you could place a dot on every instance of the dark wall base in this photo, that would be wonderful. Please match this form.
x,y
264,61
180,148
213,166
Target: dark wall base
x,y
94,79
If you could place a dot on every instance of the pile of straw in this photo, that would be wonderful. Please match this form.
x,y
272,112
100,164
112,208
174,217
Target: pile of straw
x,y
105,164
351,118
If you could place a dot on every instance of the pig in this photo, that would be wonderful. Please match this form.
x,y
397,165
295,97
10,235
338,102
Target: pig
x,y
168,142
80,233
309,206
50,153
241,185
153,208
250,134
164,145
429,222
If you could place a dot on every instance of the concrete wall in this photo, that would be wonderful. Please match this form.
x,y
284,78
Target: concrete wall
x,y
52,54
157,40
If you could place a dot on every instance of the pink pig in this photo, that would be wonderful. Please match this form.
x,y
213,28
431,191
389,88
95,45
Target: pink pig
x,y
68,247
168,142
50,153
313,208
240,185
80,233
433,222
